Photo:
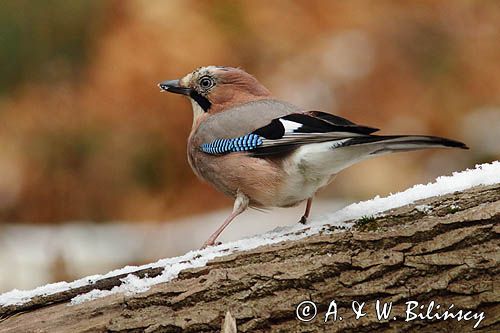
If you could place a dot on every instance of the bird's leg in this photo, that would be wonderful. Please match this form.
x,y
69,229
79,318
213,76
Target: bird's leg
x,y
240,204
304,217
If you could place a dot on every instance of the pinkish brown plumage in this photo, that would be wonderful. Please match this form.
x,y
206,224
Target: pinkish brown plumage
x,y
269,153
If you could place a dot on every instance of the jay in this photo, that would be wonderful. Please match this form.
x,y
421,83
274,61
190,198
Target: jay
x,y
264,152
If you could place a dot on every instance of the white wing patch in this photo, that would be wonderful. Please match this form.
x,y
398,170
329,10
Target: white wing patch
x,y
338,143
290,126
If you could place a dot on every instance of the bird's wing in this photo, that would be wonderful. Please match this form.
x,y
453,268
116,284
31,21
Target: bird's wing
x,y
287,132
291,131
241,120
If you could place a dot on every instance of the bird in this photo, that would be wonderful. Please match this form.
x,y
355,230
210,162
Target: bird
x,y
264,152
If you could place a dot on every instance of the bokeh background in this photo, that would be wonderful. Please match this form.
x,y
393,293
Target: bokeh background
x,y
93,172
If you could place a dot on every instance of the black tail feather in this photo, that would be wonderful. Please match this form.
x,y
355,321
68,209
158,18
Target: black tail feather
x,y
393,143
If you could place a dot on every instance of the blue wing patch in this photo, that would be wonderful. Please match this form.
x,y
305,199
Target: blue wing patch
x,y
242,143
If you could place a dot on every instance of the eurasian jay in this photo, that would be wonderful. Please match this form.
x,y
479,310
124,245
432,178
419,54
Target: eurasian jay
x,y
268,153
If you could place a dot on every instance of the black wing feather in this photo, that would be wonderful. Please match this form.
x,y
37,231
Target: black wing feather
x,y
313,124
273,131
336,120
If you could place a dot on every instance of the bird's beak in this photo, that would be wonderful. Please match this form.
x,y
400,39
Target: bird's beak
x,y
173,86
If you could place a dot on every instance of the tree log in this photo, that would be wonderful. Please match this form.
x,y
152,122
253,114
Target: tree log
x,y
446,252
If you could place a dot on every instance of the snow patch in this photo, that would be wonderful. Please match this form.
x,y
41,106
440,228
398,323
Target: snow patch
x,y
485,174
426,209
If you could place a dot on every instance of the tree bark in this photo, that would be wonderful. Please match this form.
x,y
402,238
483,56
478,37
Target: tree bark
x,y
443,249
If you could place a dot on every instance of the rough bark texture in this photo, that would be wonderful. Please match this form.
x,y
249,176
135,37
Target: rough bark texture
x,y
448,254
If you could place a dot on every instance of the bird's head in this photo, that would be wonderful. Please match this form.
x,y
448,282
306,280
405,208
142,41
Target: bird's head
x,y
213,89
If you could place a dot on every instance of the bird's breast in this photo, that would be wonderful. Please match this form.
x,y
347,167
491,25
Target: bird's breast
x,y
261,180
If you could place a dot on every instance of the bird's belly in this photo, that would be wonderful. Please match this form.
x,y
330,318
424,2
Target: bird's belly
x,y
305,175
259,179
298,188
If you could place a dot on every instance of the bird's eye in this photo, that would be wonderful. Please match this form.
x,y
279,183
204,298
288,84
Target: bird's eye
x,y
206,82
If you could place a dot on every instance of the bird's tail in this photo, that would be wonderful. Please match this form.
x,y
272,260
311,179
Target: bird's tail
x,y
330,158
383,144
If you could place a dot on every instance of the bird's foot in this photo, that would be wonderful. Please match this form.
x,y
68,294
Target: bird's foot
x,y
209,243
303,220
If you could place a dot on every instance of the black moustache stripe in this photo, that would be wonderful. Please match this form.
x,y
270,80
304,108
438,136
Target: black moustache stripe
x,y
202,101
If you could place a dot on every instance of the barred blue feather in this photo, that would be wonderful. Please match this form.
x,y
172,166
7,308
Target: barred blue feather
x,y
223,146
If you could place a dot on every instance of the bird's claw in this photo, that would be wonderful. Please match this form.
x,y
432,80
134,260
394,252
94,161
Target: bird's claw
x,y
210,243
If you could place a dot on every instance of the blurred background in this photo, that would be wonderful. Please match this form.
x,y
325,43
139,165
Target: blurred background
x,y
93,169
